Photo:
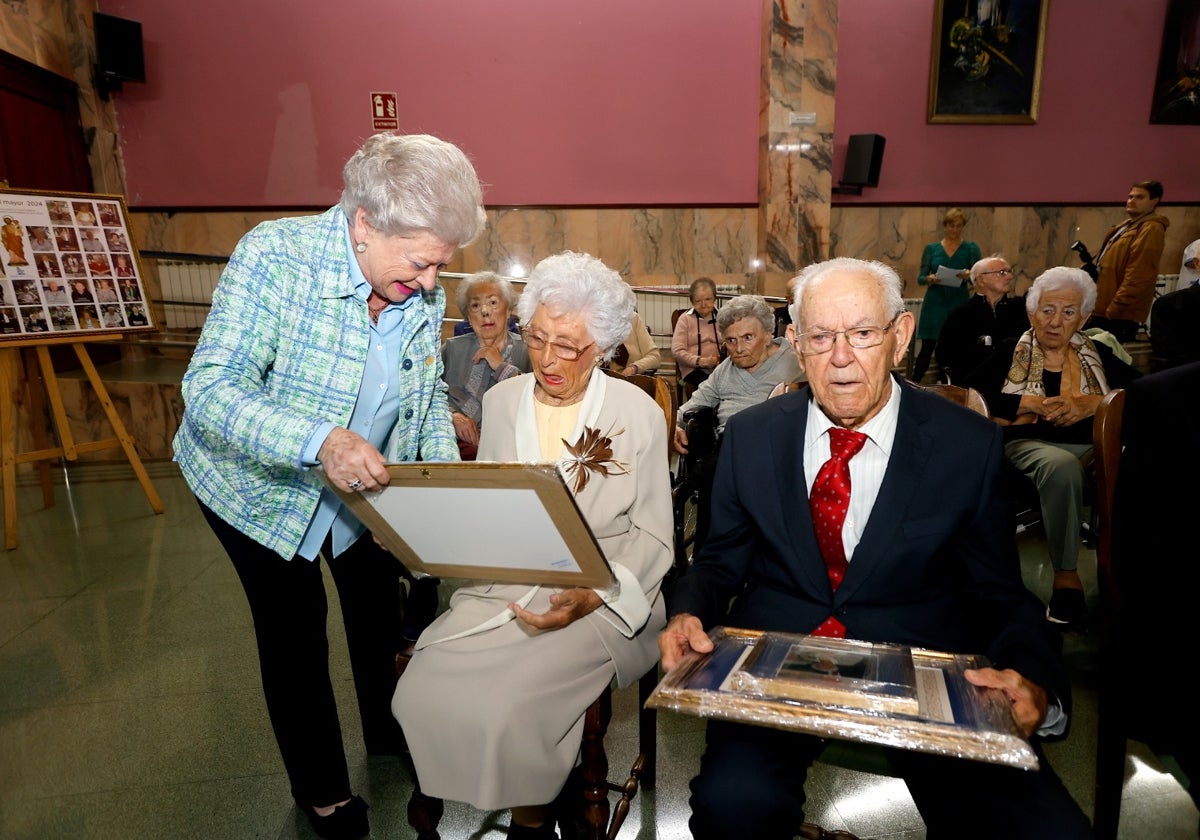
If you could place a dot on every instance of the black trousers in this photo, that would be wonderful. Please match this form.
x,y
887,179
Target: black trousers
x,y
751,784
288,603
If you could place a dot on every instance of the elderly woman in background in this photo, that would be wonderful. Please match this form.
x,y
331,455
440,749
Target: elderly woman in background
x,y
637,353
1045,392
756,363
322,350
477,360
943,297
492,703
696,343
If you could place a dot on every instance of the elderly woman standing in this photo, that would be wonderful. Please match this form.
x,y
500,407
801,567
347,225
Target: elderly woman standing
x,y
477,360
1046,391
322,350
541,655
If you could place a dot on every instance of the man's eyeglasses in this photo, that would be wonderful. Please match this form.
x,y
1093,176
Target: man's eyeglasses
x,y
860,338
563,351
1003,272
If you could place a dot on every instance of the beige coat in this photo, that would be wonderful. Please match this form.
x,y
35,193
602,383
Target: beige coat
x,y
492,711
1129,270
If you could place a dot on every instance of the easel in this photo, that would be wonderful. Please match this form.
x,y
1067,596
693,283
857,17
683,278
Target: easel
x,y
39,364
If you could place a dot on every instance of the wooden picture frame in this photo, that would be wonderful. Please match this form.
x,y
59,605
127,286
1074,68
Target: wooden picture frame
x,y
70,268
481,520
987,70
1177,81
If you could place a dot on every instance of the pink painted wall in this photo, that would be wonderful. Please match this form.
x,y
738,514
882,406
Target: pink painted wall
x,y
558,103
1093,137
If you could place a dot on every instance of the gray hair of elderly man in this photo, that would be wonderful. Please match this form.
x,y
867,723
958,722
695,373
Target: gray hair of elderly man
x,y
980,264
1062,277
414,182
462,295
890,285
580,284
746,306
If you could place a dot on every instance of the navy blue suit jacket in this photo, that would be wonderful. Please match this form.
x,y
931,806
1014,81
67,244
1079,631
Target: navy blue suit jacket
x,y
937,566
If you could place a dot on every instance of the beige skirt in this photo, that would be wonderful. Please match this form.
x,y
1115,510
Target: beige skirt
x,y
496,719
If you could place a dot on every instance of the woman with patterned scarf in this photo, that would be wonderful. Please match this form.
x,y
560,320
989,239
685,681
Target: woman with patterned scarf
x,y
1045,387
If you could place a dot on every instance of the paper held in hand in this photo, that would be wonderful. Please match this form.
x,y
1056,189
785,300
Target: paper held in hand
x,y
489,521
897,696
948,276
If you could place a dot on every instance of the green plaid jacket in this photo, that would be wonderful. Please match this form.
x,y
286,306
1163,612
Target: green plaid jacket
x,y
282,351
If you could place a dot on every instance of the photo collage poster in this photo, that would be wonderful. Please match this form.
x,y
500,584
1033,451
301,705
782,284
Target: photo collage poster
x,y
69,266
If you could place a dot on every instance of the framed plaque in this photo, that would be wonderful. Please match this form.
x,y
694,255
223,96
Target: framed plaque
x,y
500,522
893,695
70,267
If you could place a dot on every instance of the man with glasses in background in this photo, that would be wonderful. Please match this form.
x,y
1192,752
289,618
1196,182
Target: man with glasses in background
x,y
973,329
922,555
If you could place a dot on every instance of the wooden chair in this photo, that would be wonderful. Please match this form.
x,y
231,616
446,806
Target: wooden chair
x,y
1110,731
784,387
966,397
646,763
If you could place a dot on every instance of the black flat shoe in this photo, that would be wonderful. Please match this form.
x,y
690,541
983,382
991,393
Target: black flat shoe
x,y
347,822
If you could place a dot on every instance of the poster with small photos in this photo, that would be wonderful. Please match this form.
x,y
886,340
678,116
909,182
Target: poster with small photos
x,y
69,266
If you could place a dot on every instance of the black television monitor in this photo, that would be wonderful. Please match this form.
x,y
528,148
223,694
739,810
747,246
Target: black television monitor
x,y
119,56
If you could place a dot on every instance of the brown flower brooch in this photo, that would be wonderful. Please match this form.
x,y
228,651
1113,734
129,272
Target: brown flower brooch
x,y
592,453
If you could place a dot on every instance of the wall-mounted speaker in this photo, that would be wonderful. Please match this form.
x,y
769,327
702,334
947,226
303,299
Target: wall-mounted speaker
x,y
119,55
864,157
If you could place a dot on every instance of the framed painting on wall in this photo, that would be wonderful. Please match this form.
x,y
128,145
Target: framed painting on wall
x,y
1177,86
986,64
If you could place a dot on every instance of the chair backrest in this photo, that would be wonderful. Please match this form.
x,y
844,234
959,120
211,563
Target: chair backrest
x,y
658,389
966,397
1112,728
785,387
1106,459
675,317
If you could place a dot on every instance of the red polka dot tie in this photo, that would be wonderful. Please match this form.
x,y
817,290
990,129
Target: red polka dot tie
x,y
828,501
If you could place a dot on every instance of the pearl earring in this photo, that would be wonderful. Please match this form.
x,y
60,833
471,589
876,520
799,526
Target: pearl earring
x,y
360,247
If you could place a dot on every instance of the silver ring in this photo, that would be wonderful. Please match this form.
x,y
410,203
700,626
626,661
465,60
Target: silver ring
x,y
355,484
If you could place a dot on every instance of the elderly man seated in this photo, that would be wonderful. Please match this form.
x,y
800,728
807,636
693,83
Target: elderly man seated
x,y
755,363
922,556
973,329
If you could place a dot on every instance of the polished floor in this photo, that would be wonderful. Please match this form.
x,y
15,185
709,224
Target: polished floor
x,y
130,704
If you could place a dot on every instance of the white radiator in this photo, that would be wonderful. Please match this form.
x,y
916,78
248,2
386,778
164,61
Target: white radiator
x,y
187,289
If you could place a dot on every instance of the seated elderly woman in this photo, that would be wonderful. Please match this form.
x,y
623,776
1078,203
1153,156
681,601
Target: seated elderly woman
x,y
1045,392
493,701
637,353
755,364
696,342
477,360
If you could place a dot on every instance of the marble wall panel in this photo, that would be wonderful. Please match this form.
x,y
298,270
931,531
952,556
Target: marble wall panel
x,y
150,411
1032,237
